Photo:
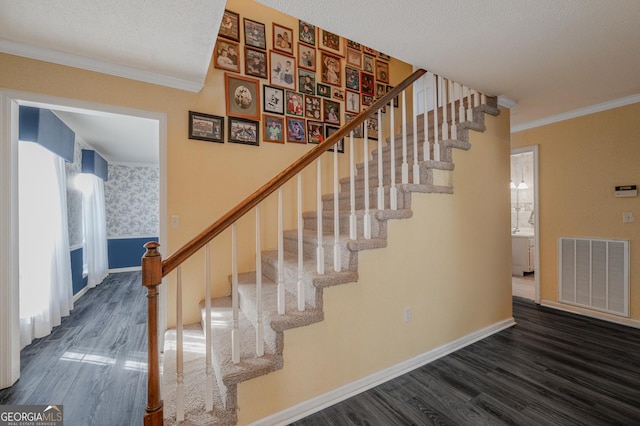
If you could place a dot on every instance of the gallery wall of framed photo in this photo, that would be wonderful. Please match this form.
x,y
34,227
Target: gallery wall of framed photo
x,y
288,81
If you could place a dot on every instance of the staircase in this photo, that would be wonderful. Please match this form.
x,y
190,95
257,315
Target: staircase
x,y
362,225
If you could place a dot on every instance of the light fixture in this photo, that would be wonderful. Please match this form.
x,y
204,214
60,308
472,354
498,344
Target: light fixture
x,y
512,185
523,185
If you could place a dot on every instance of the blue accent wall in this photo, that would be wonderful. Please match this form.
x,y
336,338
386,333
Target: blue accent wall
x,y
127,252
78,281
45,128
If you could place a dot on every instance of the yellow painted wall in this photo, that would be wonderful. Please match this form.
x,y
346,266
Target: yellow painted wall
x,y
449,263
204,179
580,162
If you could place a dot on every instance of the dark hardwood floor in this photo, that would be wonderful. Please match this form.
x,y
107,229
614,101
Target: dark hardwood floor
x,y
552,368
94,363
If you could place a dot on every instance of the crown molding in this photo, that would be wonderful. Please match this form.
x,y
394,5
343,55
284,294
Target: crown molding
x,y
61,58
506,102
577,113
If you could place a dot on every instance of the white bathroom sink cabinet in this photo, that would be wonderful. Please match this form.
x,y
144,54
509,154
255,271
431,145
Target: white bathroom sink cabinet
x,y
522,253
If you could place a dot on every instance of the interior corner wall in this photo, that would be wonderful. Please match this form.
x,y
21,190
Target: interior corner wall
x,y
581,160
449,263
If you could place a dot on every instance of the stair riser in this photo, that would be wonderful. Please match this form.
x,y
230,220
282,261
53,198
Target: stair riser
x,y
290,279
310,223
310,251
345,201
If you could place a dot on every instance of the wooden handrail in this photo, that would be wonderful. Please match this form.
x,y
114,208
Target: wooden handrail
x,y
182,254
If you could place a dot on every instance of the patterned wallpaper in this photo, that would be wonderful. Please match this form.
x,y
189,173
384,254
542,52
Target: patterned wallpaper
x,y
133,201
131,196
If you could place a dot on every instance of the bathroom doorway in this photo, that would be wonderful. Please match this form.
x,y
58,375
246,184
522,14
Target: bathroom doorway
x,y
524,223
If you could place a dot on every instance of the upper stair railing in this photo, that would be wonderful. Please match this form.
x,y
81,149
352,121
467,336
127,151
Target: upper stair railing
x,y
455,104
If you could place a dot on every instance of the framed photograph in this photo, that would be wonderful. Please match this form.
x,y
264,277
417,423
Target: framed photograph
x,y
357,132
255,62
331,69
381,90
296,130
307,33
367,81
225,55
312,107
338,94
366,100
384,56
273,128
242,96
350,44
331,42
254,34
372,127
306,57
315,131
368,63
331,111
283,70
328,131
352,103
295,103
382,71
369,51
307,82
354,58
352,78
230,26
205,127
282,39
273,98
323,90
244,131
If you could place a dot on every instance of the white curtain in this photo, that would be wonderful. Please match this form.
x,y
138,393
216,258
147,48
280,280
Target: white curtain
x,y
95,230
46,293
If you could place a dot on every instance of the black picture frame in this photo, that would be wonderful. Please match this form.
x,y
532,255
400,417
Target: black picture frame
x,y
206,127
273,100
328,131
243,131
254,34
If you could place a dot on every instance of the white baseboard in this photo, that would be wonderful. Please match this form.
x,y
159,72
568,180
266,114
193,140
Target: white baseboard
x,y
325,400
81,293
630,322
130,269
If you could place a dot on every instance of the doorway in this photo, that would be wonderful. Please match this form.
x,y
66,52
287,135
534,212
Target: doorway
x,y
9,240
524,223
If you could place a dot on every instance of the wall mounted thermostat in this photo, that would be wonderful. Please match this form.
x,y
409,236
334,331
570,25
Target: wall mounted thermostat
x,y
627,191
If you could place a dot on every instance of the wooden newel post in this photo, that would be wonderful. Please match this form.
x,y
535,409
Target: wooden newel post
x,y
151,279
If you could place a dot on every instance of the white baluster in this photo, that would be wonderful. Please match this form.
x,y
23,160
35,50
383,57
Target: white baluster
x,y
476,98
416,168
337,259
436,136
469,105
367,213
179,349
405,164
452,101
320,245
353,222
207,329
380,165
301,302
445,118
260,325
461,105
281,303
483,99
393,191
235,336
427,146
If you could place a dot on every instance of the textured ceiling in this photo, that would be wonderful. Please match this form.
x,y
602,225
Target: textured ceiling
x,y
548,56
